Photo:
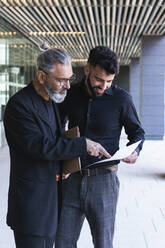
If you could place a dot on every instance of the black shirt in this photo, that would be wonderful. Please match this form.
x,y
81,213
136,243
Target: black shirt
x,y
101,119
51,115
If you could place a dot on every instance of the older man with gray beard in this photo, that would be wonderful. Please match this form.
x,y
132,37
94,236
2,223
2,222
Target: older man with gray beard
x,y
34,135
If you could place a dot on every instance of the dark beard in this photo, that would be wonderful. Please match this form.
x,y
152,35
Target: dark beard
x,y
91,89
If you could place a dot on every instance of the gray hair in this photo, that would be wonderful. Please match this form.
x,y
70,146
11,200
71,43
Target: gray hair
x,y
47,59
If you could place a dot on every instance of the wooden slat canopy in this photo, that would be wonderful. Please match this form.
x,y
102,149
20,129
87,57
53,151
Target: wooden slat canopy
x,y
79,25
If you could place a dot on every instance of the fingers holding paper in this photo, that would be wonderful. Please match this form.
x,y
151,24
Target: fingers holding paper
x,y
131,159
95,149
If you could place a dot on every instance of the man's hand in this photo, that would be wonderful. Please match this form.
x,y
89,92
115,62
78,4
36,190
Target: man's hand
x,y
132,158
95,149
65,176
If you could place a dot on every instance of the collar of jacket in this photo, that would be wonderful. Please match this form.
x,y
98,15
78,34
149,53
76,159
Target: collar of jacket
x,y
38,104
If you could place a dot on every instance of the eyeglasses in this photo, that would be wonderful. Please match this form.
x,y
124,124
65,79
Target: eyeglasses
x,y
62,81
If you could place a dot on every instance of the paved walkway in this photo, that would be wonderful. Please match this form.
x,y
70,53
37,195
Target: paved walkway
x,y
141,207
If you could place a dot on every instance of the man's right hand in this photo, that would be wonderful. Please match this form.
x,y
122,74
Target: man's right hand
x,y
95,149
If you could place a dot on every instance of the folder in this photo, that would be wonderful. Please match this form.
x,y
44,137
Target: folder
x,y
71,165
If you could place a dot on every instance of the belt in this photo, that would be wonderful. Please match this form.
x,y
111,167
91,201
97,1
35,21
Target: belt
x,y
98,171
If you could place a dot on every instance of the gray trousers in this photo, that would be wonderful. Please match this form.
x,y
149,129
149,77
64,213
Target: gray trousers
x,y
93,197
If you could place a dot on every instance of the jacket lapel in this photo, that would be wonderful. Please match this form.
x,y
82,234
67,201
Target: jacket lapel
x,y
38,104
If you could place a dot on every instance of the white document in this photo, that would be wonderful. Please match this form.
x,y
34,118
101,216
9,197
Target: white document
x,y
121,153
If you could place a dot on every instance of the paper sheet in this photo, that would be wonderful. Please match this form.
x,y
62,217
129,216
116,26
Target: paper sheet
x,y
121,153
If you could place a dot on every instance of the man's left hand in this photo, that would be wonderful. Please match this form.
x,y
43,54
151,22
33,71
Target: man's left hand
x,y
131,159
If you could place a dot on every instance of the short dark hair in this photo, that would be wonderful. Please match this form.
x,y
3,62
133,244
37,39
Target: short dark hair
x,y
105,58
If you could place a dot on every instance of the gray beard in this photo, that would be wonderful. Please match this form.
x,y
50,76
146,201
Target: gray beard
x,y
55,95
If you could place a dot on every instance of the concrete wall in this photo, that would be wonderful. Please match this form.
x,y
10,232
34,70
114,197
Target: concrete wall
x,y
152,69
122,79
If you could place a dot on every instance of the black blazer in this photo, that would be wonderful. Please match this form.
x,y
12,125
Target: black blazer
x,y
35,159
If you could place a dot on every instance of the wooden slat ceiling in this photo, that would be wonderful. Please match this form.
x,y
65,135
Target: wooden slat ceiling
x,y
79,25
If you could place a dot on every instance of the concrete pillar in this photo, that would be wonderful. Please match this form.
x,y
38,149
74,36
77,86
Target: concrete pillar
x,y
122,79
152,74
134,83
